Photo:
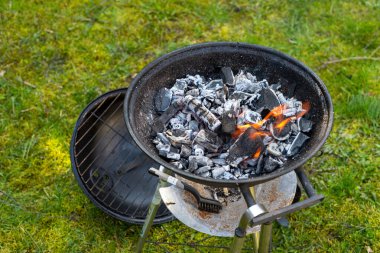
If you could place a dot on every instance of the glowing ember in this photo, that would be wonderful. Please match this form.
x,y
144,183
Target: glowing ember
x,y
257,154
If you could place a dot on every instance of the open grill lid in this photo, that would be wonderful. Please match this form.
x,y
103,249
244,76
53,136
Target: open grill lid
x,y
111,170
208,59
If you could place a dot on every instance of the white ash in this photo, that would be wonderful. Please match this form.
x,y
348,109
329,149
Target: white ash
x,y
200,122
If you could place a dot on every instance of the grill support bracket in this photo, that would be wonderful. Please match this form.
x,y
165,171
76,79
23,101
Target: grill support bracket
x,y
255,215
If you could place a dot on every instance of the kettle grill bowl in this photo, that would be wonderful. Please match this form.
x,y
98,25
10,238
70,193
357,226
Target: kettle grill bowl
x,y
206,60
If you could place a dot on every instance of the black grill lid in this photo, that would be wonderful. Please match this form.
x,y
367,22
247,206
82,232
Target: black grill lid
x,y
109,167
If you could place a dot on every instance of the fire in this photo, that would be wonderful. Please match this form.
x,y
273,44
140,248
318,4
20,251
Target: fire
x,y
276,113
256,155
282,123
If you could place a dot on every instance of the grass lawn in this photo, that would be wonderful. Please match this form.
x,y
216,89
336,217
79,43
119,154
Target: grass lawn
x,y
57,56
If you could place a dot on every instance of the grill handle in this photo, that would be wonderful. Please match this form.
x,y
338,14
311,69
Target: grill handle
x,y
167,178
313,198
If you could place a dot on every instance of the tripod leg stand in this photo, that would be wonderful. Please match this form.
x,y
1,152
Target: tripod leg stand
x,y
156,201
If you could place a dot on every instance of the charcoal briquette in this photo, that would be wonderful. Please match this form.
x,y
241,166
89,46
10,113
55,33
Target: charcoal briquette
x,y
304,125
228,76
163,99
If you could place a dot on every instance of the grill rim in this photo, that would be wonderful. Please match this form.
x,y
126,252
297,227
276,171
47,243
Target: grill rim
x,y
128,112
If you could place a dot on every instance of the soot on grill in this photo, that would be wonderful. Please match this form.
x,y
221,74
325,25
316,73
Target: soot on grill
x,y
232,127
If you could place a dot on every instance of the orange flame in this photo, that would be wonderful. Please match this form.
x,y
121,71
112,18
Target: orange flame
x,y
275,112
280,123
256,155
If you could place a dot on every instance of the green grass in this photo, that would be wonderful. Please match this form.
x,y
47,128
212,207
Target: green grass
x,y
57,56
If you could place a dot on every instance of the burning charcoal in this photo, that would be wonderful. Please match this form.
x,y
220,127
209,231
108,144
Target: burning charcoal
x,y
290,112
271,164
218,171
208,94
239,95
252,162
177,93
162,137
177,164
206,174
166,148
193,92
223,155
238,160
198,150
228,122
304,125
202,170
206,103
173,156
191,140
281,97
163,99
178,141
249,116
184,162
273,149
227,175
193,126
297,143
248,170
232,106
294,128
245,176
229,116
196,80
180,84
267,139
220,97
251,77
181,133
201,160
226,167
176,124
188,117
163,149
247,144
209,140
267,100
228,76
276,87
215,85
159,125
237,172
280,133
182,117
242,83
217,111
193,165
212,155
219,161
260,165
185,151
203,113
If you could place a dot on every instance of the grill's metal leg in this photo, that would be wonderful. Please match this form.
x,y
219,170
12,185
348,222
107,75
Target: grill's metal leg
x,y
253,211
156,202
240,232
265,238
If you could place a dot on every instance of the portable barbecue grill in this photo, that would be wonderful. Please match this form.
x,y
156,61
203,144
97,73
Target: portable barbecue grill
x,y
207,59
111,161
